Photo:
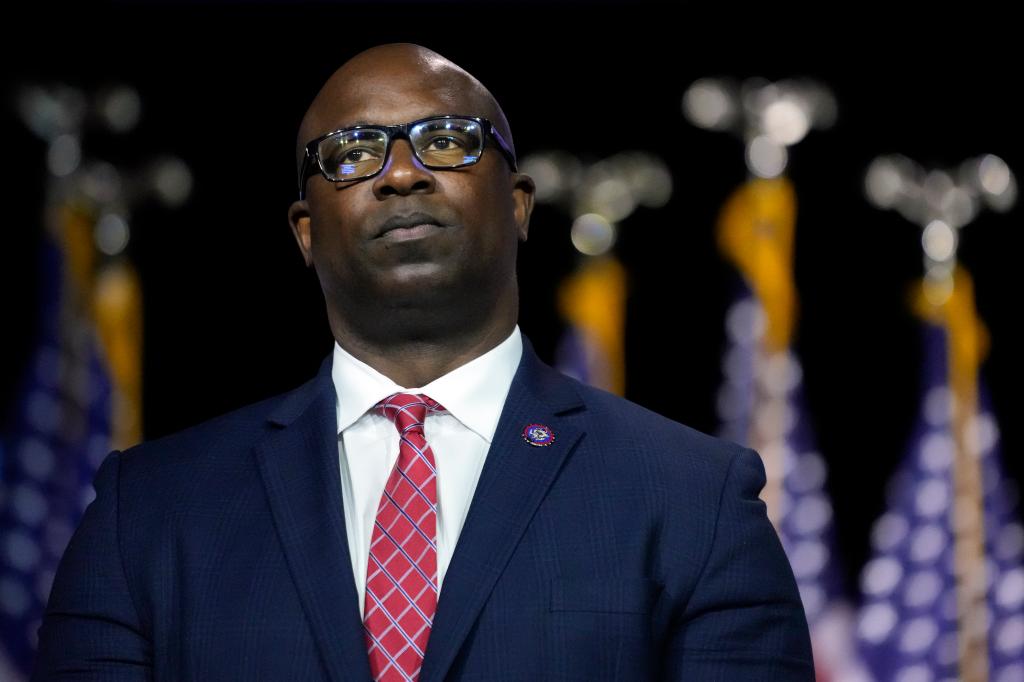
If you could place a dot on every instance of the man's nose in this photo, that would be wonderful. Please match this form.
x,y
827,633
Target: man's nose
x,y
402,173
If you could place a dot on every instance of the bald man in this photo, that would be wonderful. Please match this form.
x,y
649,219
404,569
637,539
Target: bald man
x,y
436,503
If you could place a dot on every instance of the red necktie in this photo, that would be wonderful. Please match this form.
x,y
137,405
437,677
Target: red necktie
x,y
401,575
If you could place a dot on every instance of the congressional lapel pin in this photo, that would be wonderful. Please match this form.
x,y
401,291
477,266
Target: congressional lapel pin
x,y
539,435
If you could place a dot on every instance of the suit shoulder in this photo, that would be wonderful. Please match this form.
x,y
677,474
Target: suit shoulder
x,y
219,427
624,413
232,431
646,433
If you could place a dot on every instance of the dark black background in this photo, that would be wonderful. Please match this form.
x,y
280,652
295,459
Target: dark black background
x,y
232,316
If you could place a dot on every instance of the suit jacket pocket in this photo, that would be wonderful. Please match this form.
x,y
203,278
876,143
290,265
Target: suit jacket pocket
x,y
603,594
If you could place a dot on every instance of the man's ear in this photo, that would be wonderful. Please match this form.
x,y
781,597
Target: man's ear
x,y
523,194
298,218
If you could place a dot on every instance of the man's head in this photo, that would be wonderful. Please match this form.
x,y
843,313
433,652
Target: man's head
x,y
461,270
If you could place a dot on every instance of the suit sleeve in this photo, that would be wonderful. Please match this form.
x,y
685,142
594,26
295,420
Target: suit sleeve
x,y
91,628
744,620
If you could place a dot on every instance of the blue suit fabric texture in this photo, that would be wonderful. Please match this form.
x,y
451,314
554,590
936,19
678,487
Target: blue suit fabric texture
x,y
632,547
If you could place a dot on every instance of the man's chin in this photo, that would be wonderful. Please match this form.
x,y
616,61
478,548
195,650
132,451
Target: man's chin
x,y
418,283
423,274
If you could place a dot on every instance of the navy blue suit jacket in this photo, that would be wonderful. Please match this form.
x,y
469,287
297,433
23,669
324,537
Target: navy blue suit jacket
x,y
632,548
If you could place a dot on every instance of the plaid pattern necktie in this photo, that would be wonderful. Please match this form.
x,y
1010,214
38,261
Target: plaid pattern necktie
x,y
401,576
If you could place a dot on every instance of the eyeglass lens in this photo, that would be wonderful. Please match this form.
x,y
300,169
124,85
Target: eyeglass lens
x,y
438,143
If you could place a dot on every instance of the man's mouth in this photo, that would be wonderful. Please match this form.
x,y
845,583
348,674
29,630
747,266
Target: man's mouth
x,y
409,226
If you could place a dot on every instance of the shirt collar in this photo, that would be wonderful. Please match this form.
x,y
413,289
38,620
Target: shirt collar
x,y
473,393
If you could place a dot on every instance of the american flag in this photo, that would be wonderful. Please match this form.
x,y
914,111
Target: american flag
x,y
592,300
52,445
761,404
908,624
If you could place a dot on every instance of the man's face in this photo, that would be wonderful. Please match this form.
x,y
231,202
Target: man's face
x,y
482,210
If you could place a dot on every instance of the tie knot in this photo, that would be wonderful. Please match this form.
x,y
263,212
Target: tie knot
x,y
408,411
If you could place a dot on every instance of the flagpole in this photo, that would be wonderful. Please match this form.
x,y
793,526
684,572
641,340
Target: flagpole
x,y
756,229
600,196
968,520
761,401
941,206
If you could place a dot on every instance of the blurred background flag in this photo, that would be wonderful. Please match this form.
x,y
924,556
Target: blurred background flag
x,y
592,298
60,432
761,400
80,394
951,512
943,595
761,404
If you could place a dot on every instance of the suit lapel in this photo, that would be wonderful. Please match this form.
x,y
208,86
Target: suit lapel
x,y
514,480
299,465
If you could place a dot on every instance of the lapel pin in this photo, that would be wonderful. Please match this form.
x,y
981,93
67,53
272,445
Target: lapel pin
x,y
539,435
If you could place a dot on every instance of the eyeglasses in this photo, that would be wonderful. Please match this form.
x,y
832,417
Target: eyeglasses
x,y
360,152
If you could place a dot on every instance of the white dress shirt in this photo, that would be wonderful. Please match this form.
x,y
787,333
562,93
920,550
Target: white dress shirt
x,y
473,396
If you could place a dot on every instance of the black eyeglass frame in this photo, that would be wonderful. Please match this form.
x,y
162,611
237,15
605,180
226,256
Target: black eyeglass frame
x,y
312,152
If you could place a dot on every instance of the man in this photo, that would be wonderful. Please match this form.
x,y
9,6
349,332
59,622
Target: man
x,y
436,503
